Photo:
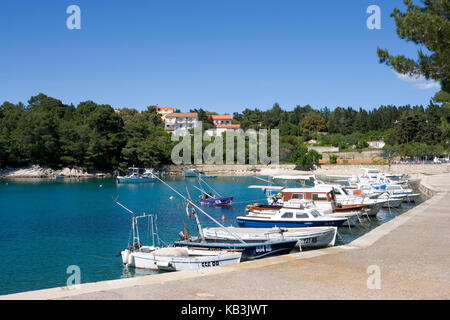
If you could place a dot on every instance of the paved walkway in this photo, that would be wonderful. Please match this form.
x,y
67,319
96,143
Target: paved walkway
x,y
411,252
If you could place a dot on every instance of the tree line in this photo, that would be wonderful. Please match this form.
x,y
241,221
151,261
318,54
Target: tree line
x,y
92,136
97,137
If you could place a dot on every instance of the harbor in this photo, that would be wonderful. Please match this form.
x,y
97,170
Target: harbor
x,y
410,250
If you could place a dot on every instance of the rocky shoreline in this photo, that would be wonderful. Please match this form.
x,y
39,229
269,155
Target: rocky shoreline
x,y
413,170
36,171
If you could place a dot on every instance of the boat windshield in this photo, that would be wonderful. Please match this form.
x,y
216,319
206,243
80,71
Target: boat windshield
x,y
315,213
287,215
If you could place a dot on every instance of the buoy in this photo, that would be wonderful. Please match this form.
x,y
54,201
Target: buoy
x,y
100,185
171,197
223,217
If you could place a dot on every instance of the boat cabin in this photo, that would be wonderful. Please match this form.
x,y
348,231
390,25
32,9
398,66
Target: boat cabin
x,y
316,194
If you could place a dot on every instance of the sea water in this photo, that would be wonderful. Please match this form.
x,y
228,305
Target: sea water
x,y
48,225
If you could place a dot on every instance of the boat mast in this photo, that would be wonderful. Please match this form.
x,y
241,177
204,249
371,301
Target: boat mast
x,y
202,211
212,189
199,226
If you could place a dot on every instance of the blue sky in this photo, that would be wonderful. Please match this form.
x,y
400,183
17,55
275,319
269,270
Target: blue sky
x,y
221,55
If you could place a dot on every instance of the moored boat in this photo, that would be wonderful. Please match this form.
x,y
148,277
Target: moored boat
x,y
179,258
135,177
213,201
193,173
269,216
171,258
250,250
313,237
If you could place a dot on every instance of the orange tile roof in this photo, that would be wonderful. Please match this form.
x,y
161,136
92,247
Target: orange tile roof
x,y
182,115
228,126
165,108
221,117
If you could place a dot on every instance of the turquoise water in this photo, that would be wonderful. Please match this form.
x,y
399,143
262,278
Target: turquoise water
x,y
48,225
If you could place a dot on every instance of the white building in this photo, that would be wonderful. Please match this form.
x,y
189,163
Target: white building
x,y
221,128
221,119
164,111
180,123
378,144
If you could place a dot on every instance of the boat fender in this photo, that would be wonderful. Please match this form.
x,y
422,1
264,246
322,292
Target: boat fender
x,y
130,259
125,255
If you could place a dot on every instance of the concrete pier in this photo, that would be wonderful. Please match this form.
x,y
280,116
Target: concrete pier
x,y
405,258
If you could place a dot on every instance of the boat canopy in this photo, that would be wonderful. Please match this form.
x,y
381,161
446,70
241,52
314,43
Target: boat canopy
x,y
317,188
276,188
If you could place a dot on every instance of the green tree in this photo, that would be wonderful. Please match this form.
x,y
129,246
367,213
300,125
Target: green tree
x,y
304,158
313,122
427,26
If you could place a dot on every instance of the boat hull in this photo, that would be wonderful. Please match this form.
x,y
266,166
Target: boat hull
x,y
307,238
124,180
217,202
413,197
167,262
247,222
393,203
250,251
190,175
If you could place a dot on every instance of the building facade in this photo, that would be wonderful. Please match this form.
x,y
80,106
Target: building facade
x,y
221,119
180,123
223,123
164,111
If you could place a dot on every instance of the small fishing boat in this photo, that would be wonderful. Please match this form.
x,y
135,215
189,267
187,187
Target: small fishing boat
x,y
135,177
194,173
250,250
396,190
213,201
307,238
171,258
212,198
345,198
179,258
391,201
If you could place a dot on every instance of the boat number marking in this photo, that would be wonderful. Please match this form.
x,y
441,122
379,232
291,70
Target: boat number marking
x,y
265,248
210,264
309,240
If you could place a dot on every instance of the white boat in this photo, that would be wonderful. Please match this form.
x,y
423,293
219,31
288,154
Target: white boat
x,y
135,177
269,216
398,190
171,258
313,237
179,258
194,173
345,197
